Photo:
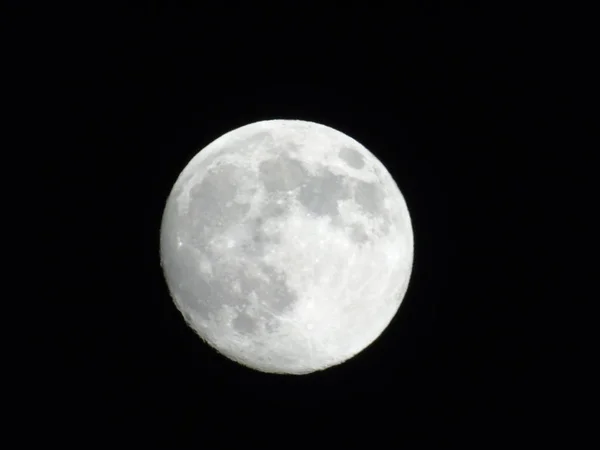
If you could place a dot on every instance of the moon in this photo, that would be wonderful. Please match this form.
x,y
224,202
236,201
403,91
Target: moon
x,y
287,246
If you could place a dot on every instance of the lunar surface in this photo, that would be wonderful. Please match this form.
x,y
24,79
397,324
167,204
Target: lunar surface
x,y
287,246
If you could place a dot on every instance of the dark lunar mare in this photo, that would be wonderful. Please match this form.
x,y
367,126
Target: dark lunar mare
x,y
209,214
352,157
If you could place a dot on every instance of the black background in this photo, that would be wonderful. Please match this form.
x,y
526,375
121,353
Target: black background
x,y
454,101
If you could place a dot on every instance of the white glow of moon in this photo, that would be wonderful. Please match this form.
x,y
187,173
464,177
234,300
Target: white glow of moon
x,y
287,246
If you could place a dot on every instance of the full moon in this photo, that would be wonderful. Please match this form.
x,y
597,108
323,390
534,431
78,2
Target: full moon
x,y
287,246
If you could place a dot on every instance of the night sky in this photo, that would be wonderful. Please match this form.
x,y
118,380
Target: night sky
x,y
450,100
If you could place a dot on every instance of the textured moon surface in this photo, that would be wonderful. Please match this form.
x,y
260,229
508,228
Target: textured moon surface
x,y
287,246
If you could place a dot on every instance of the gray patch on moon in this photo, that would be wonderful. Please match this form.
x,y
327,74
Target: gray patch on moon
x,y
273,209
258,239
276,294
273,295
369,197
212,157
352,157
196,292
358,233
205,296
320,194
212,202
244,324
212,208
255,246
258,140
281,174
